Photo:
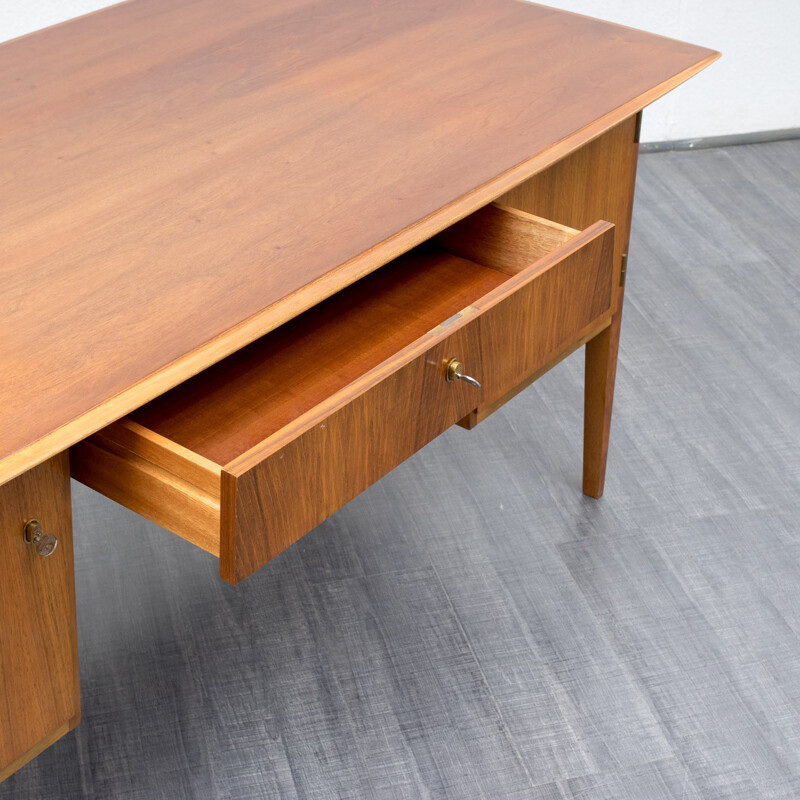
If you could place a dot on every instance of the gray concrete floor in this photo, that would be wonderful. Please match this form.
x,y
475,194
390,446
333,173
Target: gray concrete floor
x,y
472,626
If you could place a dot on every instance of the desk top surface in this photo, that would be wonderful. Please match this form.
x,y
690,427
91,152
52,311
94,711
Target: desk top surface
x,y
180,176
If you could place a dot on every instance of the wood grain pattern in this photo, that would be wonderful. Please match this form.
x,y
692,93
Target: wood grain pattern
x,y
597,180
39,686
181,177
479,414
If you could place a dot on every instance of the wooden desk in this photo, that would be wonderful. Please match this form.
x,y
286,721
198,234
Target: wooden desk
x,y
296,201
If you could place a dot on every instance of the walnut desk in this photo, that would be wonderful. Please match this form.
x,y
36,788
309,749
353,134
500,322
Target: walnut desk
x,y
254,255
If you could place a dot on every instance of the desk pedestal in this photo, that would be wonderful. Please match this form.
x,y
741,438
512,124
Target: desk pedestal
x,y
39,688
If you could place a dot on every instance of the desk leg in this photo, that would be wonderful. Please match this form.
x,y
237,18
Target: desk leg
x,y
601,370
39,689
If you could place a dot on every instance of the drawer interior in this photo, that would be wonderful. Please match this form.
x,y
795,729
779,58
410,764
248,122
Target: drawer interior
x,y
243,400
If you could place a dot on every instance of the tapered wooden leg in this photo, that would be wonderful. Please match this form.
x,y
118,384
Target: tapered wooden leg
x,y
601,370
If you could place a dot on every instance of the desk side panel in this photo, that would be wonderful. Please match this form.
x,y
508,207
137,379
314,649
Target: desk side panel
x,y
39,687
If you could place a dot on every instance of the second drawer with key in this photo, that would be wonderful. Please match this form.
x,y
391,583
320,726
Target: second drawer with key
x,y
249,455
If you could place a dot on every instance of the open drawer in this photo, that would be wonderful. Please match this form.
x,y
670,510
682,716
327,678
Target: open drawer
x,y
249,455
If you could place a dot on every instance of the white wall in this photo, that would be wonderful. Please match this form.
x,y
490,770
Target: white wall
x,y
754,87
18,17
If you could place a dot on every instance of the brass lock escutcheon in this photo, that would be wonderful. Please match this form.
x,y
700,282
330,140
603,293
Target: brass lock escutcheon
x,y
45,543
454,371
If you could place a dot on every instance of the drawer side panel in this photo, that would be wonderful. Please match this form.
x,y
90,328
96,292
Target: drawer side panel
x,y
149,490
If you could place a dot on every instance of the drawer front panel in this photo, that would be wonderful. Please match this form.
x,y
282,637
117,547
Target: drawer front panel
x,y
523,332
273,504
